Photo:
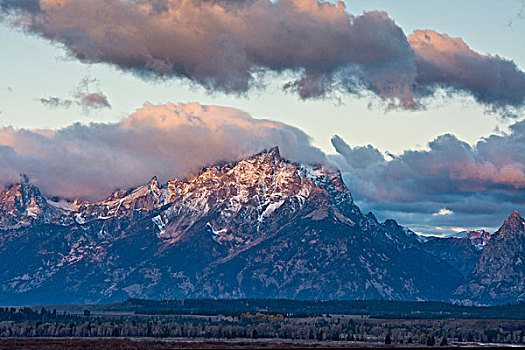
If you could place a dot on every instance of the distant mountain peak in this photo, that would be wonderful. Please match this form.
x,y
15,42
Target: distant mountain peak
x,y
514,223
272,155
25,193
515,216
154,182
263,226
22,204
391,223
498,275
274,150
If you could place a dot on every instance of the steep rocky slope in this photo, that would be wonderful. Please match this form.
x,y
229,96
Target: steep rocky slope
x,y
22,204
462,250
260,227
499,276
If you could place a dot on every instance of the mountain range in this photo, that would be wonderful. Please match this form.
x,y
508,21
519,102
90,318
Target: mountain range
x,y
262,227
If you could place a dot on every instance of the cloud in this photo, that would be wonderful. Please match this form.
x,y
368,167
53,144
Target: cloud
x,y
83,98
94,100
229,45
519,16
449,62
26,5
476,184
92,160
450,184
55,102
443,211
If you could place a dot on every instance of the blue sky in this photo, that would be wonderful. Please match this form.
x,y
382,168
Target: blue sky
x,y
33,68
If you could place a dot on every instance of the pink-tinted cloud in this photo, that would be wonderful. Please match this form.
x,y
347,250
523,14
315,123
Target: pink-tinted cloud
x,y
92,160
83,98
478,183
228,45
87,101
449,62
448,166
94,100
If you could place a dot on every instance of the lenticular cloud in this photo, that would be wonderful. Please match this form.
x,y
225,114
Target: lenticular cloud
x,y
228,45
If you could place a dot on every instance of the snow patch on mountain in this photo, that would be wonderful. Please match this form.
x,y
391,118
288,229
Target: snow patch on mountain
x,y
157,220
63,204
270,208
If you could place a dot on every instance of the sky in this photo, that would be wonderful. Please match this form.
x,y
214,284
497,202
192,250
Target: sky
x,y
419,105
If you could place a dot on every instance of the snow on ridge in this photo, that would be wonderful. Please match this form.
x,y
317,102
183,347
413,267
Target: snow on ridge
x,y
270,208
33,211
63,204
262,182
79,219
221,235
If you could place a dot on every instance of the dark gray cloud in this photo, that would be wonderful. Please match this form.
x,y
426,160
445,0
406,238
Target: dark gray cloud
x,y
449,62
88,101
32,6
93,100
55,102
480,183
82,98
92,160
228,45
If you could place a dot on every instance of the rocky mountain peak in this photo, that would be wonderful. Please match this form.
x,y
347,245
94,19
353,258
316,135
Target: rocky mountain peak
x,y
260,227
27,189
125,203
22,195
515,216
391,225
499,272
154,182
22,203
271,156
274,151
515,223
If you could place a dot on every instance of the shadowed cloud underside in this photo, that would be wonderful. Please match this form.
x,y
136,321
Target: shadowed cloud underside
x,y
230,45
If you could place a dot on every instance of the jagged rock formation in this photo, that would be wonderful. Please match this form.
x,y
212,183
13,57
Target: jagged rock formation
x,y
462,250
22,204
499,276
262,227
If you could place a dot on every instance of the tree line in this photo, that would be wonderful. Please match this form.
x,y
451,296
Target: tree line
x,y
25,322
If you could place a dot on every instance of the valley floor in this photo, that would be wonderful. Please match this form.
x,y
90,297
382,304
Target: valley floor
x,y
191,323
178,343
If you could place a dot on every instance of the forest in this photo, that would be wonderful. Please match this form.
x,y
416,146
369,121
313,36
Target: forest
x,y
301,308
29,322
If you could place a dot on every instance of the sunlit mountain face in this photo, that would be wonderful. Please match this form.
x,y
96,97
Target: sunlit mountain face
x,y
450,187
262,227
289,121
